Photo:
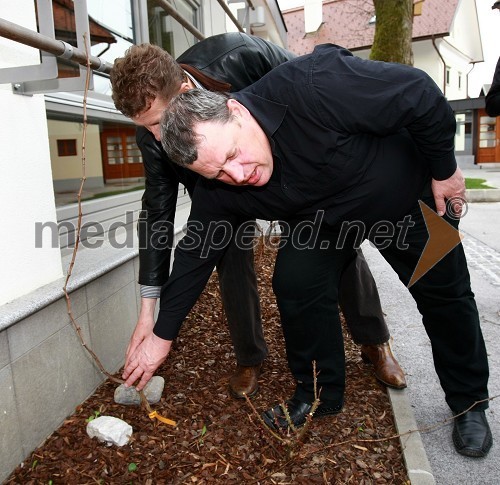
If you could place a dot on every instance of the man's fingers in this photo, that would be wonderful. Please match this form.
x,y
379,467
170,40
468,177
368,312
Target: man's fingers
x,y
146,376
131,377
440,206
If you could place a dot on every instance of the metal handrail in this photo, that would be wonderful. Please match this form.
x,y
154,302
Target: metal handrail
x,y
59,48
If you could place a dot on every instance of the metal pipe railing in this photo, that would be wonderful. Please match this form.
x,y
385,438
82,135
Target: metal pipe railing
x,y
59,48
62,49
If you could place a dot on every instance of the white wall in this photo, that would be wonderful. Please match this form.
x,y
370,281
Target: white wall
x,y
489,23
465,34
71,167
26,194
213,18
426,58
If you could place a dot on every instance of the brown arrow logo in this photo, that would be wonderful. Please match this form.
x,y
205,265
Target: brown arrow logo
x,y
443,238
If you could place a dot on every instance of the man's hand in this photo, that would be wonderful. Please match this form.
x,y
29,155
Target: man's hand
x,y
145,359
452,188
144,326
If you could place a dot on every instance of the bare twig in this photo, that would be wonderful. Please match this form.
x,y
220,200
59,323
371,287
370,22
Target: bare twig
x,y
296,440
301,434
267,428
77,328
400,435
79,224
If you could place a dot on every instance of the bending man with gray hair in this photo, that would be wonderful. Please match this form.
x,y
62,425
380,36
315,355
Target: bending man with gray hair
x,y
143,82
340,149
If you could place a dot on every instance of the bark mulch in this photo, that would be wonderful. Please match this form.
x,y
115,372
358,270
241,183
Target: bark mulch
x,y
219,439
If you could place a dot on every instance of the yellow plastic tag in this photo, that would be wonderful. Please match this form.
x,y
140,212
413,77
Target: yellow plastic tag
x,y
159,417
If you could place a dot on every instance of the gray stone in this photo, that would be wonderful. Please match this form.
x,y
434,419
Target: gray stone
x,y
113,431
129,395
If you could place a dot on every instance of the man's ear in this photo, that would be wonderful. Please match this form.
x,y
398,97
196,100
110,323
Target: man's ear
x,y
185,86
237,109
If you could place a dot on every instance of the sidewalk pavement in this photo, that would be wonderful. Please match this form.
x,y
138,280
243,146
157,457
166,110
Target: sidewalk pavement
x,y
422,404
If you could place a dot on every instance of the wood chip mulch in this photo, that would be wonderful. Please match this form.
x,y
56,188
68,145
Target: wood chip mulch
x,y
219,439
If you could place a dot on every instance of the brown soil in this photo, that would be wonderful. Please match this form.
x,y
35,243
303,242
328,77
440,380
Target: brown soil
x,y
219,439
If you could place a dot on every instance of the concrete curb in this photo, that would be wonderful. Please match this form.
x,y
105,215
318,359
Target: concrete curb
x,y
415,457
483,195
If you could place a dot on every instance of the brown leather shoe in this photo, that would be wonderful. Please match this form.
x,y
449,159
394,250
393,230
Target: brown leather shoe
x,y
385,365
245,381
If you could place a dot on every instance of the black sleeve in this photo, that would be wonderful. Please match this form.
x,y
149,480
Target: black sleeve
x,y
209,230
156,220
493,96
380,98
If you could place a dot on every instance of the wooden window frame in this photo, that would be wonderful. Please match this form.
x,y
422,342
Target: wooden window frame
x,y
67,147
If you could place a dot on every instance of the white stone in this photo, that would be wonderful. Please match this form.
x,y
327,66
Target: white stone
x,y
109,429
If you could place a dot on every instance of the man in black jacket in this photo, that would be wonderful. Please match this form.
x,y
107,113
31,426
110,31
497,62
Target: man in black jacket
x,y
354,144
142,81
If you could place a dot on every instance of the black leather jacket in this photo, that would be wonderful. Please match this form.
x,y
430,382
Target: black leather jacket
x,y
235,58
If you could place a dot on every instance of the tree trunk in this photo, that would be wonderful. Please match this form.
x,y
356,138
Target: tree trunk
x,y
393,31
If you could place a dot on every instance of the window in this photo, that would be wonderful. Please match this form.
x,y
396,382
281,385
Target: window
x,y
448,69
166,32
487,132
113,27
459,80
66,148
122,158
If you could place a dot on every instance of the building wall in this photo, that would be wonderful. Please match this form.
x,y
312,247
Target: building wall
x,y
45,373
426,58
70,167
26,194
212,20
465,35
458,65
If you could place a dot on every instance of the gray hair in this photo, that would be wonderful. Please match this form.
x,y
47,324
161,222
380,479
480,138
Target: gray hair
x,y
178,138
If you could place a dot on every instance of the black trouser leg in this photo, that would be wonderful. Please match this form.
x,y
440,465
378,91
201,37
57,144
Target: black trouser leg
x,y
446,302
240,296
360,303
305,283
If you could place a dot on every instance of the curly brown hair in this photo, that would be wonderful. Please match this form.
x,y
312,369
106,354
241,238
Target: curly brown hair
x,y
145,72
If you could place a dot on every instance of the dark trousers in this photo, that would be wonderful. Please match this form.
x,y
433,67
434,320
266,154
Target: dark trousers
x,y
306,283
238,285
360,303
358,297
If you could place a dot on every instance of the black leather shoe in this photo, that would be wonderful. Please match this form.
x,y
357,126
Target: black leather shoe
x,y
472,434
298,411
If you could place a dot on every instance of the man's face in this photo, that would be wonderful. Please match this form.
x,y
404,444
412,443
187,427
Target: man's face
x,y
150,118
236,153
